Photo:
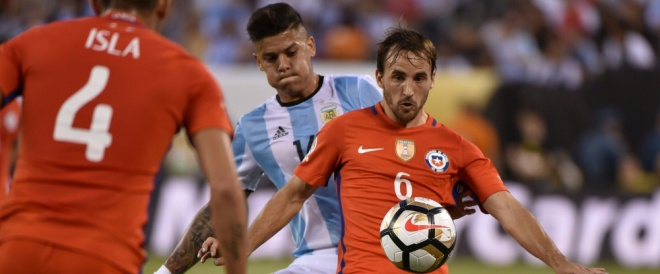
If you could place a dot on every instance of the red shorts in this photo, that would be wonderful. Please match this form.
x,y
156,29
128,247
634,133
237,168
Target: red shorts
x,y
18,256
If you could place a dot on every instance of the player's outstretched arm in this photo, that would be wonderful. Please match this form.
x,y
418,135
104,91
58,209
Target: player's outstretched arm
x,y
227,204
279,210
184,255
518,222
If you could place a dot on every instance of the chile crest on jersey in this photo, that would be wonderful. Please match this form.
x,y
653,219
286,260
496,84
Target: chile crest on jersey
x,y
437,160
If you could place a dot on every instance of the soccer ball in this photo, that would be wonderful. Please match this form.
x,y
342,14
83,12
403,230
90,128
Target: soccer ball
x,y
418,235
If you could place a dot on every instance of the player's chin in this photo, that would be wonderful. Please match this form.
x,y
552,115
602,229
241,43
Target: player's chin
x,y
407,113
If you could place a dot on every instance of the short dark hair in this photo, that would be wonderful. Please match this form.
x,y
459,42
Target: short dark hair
x,y
140,5
271,20
400,40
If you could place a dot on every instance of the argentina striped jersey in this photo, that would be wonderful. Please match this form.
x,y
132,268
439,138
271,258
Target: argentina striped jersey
x,y
273,138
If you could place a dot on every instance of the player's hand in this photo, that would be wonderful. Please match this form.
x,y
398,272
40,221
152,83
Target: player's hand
x,y
210,249
464,203
573,268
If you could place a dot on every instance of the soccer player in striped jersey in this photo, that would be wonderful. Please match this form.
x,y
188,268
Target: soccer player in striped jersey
x,y
393,151
272,139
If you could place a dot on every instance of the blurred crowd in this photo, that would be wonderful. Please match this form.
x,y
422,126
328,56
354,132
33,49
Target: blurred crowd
x,y
540,44
558,42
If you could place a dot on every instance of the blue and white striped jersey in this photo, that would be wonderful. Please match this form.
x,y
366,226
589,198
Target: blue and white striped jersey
x,y
273,138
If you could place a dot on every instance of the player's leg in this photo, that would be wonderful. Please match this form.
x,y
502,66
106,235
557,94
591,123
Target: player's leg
x,y
321,261
20,256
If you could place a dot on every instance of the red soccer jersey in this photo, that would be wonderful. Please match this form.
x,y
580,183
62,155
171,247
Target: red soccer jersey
x,y
9,117
102,98
378,163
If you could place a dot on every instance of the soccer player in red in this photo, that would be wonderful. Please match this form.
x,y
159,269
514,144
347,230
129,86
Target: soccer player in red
x,y
9,120
102,98
393,151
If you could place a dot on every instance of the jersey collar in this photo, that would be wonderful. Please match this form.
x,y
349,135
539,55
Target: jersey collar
x,y
290,104
124,16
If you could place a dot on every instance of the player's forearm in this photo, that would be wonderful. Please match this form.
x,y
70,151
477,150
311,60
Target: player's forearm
x,y
527,231
229,218
279,211
533,238
185,254
227,203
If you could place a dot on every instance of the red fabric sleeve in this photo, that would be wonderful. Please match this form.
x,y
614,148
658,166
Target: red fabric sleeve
x,y
207,107
10,65
479,173
325,155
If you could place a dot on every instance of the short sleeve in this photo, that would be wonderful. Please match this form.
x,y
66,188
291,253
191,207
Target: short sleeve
x,y
249,171
324,155
357,91
10,65
369,92
206,108
479,173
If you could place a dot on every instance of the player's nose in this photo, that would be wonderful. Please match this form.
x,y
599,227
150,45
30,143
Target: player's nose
x,y
408,88
283,63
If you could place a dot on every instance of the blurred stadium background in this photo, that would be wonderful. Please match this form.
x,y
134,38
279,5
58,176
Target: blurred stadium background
x,y
561,94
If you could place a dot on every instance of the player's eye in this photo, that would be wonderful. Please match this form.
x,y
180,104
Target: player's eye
x,y
270,58
291,53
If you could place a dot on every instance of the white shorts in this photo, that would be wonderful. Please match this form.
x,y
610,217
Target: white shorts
x,y
322,262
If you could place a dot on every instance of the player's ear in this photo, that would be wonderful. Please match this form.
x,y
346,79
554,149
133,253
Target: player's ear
x,y
379,79
311,44
257,60
432,79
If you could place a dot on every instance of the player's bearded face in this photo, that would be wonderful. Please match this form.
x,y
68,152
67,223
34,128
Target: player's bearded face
x,y
286,60
406,82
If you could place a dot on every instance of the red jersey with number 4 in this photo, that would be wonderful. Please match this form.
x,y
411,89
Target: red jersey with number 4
x,y
377,163
102,99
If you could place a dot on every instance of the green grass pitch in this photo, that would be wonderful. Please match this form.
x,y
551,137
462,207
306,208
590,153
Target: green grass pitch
x,y
459,265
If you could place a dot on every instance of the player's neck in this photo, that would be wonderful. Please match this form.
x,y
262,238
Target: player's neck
x,y
133,16
311,86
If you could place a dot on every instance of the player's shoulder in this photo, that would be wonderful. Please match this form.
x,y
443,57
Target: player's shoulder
x,y
349,77
54,28
170,50
175,61
260,111
446,133
354,87
347,82
357,116
69,25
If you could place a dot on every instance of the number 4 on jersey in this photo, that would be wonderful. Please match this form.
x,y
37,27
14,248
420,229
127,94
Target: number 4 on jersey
x,y
97,138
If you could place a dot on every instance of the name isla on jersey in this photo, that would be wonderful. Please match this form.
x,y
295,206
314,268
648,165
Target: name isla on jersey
x,y
106,41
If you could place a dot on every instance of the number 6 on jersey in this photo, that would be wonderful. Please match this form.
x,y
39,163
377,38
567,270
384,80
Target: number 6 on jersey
x,y
397,186
97,138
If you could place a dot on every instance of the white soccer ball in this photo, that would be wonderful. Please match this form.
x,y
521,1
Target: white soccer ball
x,y
418,235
